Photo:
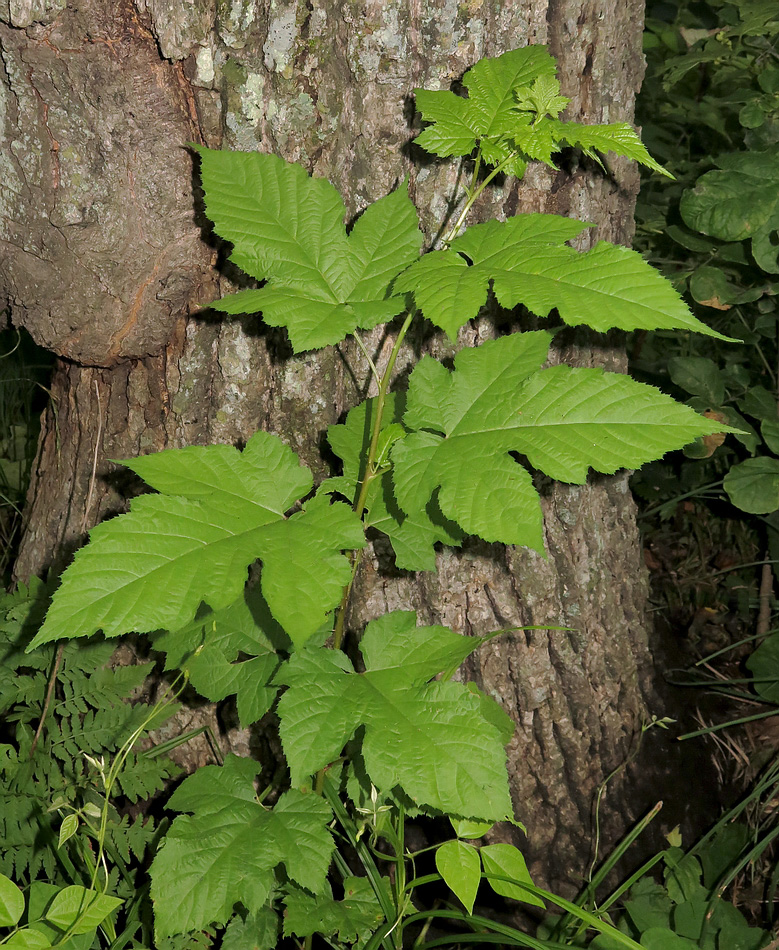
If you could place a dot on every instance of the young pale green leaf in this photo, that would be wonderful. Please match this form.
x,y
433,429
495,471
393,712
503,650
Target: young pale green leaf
x,y
220,510
430,739
11,902
354,918
459,865
287,228
605,287
413,534
511,113
489,112
492,84
564,420
507,861
226,852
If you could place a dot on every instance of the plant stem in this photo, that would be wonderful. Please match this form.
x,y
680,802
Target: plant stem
x,y
474,193
370,472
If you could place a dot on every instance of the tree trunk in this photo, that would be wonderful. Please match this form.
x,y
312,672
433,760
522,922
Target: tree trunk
x,y
105,263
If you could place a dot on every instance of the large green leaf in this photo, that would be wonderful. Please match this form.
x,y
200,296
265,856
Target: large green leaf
x,y
429,738
414,533
738,200
528,263
459,865
219,510
287,228
753,485
226,852
498,401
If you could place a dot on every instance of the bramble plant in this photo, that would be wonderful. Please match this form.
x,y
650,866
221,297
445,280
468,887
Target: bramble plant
x,y
366,750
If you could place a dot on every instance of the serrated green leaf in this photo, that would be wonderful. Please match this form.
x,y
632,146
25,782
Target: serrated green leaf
x,y
492,83
428,738
450,131
352,919
208,649
288,228
258,931
510,100
412,534
737,200
528,263
564,420
542,97
507,861
459,865
226,852
618,137
150,568
753,485
11,902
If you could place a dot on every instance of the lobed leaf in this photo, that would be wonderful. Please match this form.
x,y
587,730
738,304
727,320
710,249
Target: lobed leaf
x,y
511,113
287,228
565,421
354,918
209,647
226,852
528,263
220,509
429,738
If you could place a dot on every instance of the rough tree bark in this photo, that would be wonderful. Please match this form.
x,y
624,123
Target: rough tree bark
x,y
104,263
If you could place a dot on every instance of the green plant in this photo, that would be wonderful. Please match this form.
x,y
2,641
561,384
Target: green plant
x,y
382,734
24,369
682,908
712,113
68,756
